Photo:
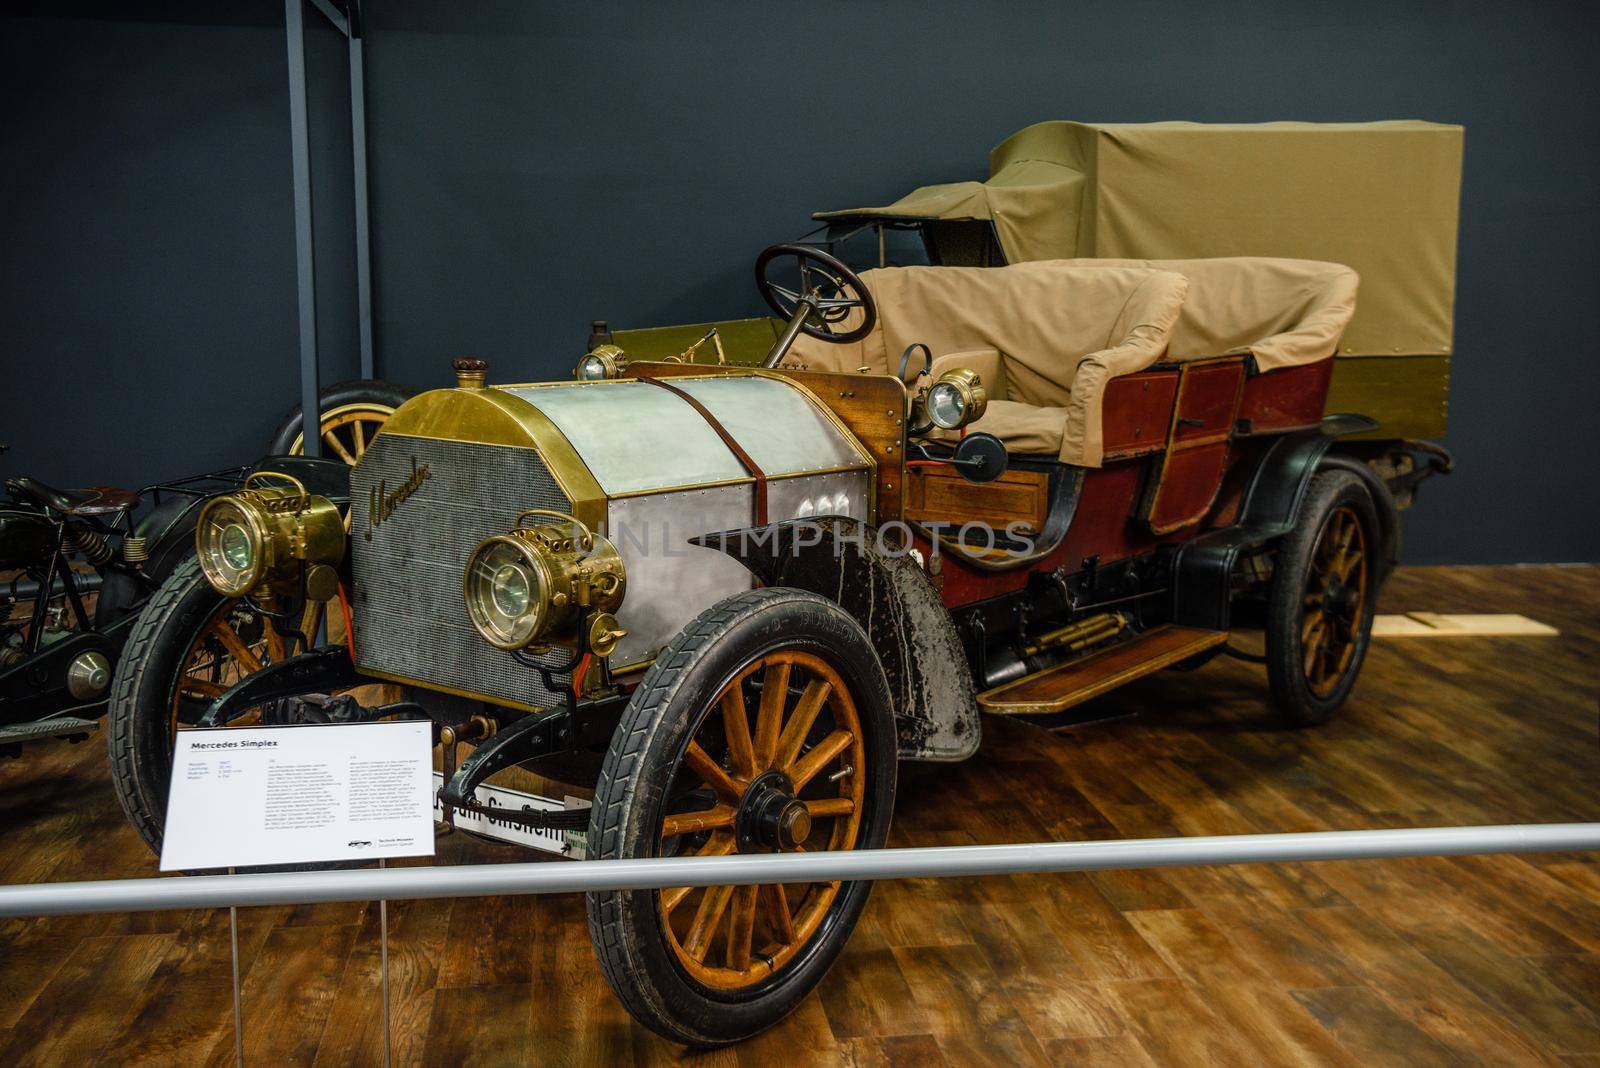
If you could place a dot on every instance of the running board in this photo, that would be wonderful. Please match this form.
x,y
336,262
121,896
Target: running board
x,y
1059,688
71,727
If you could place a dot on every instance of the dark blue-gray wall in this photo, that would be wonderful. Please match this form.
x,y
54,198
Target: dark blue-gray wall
x,y
538,165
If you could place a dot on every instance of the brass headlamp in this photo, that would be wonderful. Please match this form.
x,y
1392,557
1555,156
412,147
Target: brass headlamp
x,y
600,363
271,538
956,399
529,588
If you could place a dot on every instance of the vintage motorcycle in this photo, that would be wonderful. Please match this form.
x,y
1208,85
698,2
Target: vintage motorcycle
x,y
78,565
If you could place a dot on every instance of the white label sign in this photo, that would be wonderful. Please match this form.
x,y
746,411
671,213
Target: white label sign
x,y
249,796
567,843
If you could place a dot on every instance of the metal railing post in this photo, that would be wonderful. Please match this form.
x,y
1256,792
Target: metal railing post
x,y
305,257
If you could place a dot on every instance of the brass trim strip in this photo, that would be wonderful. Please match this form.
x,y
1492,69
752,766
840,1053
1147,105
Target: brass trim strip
x,y
494,417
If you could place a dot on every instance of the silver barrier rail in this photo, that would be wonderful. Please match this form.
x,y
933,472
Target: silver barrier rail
x,y
478,880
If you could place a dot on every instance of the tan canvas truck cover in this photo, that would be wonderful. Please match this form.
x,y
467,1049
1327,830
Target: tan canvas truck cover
x,y
1064,332
1381,197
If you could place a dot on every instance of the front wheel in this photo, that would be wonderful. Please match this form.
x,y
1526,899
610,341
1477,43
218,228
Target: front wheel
x,y
1320,604
766,726
188,646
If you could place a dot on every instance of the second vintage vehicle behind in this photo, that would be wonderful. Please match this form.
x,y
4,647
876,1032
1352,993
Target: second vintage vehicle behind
x,y
751,591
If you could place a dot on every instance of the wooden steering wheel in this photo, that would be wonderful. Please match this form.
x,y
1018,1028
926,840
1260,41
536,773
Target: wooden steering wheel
x,y
827,289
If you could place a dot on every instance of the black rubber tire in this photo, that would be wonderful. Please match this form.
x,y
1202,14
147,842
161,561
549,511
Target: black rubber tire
x,y
355,391
647,746
137,737
1292,695
137,740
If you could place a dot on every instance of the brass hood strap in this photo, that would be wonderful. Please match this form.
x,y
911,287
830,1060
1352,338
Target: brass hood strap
x,y
750,466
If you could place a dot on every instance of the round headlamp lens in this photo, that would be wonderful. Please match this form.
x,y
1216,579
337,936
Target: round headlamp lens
x,y
504,595
229,547
591,369
946,406
233,545
510,591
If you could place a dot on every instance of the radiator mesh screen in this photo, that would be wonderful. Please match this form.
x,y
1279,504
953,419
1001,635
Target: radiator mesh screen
x,y
410,619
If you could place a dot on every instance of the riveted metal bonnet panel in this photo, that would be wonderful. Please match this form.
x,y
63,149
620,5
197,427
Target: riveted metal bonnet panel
x,y
636,437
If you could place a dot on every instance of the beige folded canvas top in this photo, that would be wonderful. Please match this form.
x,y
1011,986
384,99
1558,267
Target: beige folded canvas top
x,y
1381,197
1065,330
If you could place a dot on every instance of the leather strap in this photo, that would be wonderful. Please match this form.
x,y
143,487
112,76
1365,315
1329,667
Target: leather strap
x,y
751,467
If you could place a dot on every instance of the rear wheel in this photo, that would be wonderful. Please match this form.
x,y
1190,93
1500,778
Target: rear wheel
x,y
765,727
352,412
1320,604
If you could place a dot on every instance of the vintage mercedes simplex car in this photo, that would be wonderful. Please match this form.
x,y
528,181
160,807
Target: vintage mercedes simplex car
x,y
754,590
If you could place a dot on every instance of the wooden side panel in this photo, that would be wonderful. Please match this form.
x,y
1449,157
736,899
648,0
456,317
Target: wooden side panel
x,y
1190,475
1188,486
1104,526
1206,399
1287,398
1136,411
940,495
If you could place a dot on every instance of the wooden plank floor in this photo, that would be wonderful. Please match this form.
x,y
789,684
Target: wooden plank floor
x,y
1404,962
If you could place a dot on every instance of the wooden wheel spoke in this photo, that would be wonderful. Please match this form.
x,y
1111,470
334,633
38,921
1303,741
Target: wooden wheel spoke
x,y
799,725
775,903
1308,629
769,717
275,648
332,441
741,926
719,845
711,773
736,726
358,436
807,767
706,919
236,647
1312,647
705,819
826,807
188,684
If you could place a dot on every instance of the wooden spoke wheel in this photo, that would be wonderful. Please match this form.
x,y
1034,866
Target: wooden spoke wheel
x,y
1320,605
236,641
765,727
190,644
347,431
352,413
1335,600
792,781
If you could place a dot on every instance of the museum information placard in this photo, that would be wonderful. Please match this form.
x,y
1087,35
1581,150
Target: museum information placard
x,y
249,796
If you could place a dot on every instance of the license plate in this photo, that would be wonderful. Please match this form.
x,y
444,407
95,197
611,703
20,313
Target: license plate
x,y
566,843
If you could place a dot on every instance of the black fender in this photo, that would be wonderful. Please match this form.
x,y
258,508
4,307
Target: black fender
x,y
936,713
1204,567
